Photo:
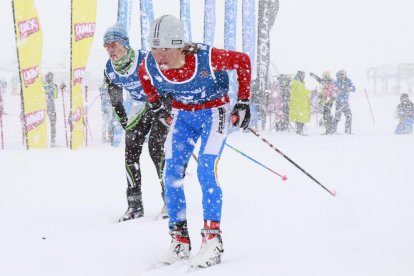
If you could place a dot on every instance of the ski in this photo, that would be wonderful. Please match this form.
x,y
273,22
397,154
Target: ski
x,y
183,266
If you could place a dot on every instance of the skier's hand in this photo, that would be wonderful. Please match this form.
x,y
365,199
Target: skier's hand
x,y
161,113
240,116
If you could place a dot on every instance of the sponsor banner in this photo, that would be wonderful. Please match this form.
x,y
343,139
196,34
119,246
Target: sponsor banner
x,y
34,119
146,17
268,10
84,30
230,31
185,16
82,33
249,29
29,39
209,21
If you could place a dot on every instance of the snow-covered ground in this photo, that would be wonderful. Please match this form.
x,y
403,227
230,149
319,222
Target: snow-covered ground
x,y
59,207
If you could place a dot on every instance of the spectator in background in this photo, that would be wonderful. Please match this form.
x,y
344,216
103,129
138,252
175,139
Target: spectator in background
x,y
315,101
343,86
327,98
405,114
259,100
253,116
299,105
51,95
284,93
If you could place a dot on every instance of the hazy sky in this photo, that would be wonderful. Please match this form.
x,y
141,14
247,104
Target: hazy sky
x,y
310,35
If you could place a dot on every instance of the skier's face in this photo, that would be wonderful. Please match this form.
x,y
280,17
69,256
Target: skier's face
x,y
168,58
115,50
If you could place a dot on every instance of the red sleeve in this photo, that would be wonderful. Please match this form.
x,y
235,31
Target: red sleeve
x,y
149,90
231,60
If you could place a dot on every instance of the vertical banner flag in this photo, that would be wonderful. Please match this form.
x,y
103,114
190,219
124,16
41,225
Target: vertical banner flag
x,y
209,21
29,53
83,22
123,13
129,15
185,16
230,31
268,10
249,29
147,16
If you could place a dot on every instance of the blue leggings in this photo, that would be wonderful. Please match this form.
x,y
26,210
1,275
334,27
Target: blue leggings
x,y
211,126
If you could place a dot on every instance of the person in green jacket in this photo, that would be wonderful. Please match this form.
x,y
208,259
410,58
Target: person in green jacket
x,y
299,104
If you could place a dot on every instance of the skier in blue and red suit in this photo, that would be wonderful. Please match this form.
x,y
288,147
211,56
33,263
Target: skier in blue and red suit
x,y
196,77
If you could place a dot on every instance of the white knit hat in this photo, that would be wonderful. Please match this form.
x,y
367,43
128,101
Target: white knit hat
x,y
166,32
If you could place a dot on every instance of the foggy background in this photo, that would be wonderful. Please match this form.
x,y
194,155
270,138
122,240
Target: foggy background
x,y
316,35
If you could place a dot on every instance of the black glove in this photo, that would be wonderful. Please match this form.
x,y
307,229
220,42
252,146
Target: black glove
x,y
240,116
161,113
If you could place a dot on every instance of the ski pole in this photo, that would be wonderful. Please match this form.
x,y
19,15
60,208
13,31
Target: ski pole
x,y
333,193
90,134
92,103
372,114
284,177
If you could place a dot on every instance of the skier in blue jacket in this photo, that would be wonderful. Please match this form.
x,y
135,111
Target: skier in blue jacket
x,y
121,72
343,86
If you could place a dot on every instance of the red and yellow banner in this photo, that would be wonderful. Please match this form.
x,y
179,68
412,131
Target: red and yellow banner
x,y
29,39
83,30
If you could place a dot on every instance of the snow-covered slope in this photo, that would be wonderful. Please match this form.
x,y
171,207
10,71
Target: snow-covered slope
x,y
59,207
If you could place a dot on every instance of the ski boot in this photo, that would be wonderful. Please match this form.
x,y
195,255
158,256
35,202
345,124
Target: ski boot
x,y
211,246
135,209
132,213
180,244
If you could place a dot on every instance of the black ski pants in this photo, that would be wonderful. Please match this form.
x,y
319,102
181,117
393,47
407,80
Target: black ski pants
x,y
145,125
